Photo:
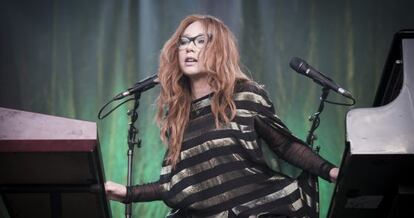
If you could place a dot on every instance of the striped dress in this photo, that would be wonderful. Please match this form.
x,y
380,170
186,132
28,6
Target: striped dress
x,y
223,172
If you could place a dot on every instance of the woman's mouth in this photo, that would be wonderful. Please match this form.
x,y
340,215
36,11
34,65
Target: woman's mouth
x,y
190,61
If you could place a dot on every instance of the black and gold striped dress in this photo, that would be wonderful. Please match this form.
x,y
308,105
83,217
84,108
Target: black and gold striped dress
x,y
223,172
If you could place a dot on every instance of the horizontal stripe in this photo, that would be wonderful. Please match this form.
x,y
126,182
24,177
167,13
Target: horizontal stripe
x,y
250,145
245,113
261,189
207,174
271,197
210,154
226,196
166,170
252,106
199,168
230,144
217,134
206,146
278,125
199,126
200,104
290,205
201,112
241,128
250,86
251,97
217,190
219,183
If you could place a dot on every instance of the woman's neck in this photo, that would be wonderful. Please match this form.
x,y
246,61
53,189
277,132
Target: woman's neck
x,y
199,87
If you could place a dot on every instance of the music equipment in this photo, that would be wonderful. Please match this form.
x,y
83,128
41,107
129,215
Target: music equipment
x,y
374,179
50,167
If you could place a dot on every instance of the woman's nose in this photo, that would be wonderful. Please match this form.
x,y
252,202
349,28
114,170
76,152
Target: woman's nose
x,y
190,47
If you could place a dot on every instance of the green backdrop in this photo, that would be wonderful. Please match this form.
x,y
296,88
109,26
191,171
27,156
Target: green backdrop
x,y
69,57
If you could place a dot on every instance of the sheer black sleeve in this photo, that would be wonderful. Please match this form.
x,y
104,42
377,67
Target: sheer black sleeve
x,y
293,151
278,137
143,193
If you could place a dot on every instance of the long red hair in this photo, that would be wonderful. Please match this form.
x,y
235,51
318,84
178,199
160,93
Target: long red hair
x,y
220,59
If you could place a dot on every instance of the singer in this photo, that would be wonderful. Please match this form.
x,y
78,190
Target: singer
x,y
216,123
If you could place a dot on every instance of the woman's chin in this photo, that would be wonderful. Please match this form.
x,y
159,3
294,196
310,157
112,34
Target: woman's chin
x,y
193,72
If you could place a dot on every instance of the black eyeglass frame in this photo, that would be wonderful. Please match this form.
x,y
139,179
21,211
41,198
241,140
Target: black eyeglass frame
x,y
192,39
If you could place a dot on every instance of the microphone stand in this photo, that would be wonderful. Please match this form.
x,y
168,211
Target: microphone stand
x,y
132,141
311,180
315,120
138,88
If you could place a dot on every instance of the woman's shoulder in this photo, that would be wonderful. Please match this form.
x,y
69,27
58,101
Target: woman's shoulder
x,y
252,93
250,86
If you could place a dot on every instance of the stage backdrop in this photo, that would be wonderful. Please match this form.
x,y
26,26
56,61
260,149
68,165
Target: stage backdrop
x,y
67,58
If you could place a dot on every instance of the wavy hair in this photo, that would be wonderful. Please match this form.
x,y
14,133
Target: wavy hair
x,y
219,58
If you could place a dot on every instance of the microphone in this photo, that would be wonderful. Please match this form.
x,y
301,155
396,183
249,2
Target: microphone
x,y
304,68
140,86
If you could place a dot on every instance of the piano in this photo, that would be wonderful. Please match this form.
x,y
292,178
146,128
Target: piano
x,y
375,178
50,167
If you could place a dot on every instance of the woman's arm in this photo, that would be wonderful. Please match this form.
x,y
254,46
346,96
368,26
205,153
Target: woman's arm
x,y
294,151
137,193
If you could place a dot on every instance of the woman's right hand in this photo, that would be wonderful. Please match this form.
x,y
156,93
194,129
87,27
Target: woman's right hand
x,y
333,174
115,191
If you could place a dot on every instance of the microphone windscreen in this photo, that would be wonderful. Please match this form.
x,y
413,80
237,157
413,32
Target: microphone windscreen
x,y
295,63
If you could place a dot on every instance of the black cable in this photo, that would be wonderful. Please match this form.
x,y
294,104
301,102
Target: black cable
x,y
109,112
340,103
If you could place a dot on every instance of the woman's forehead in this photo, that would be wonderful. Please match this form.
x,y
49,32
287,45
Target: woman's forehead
x,y
194,29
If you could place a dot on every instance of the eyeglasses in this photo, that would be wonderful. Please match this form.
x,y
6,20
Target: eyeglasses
x,y
199,41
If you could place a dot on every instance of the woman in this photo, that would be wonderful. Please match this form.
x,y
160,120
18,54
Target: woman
x,y
215,122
